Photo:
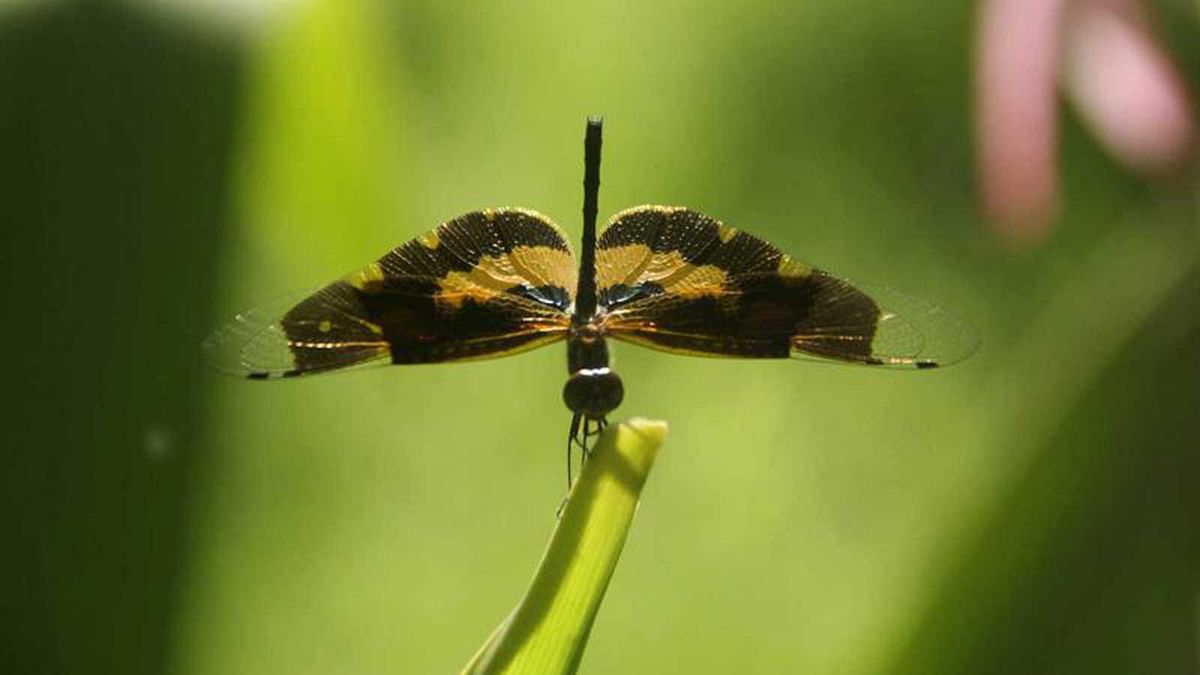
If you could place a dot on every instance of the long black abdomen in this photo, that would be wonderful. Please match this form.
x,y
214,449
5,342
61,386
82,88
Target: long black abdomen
x,y
585,295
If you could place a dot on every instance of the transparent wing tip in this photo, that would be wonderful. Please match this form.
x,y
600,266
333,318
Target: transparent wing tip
x,y
914,333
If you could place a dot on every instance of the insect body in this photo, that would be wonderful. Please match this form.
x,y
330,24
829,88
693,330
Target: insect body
x,y
501,281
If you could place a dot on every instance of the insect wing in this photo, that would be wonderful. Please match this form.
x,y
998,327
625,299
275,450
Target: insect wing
x,y
907,332
677,280
486,284
256,343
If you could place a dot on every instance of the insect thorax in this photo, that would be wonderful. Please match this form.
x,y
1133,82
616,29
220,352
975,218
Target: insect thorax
x,y
586,346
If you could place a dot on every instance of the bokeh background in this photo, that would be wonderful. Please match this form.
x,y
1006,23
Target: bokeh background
x,y
166,164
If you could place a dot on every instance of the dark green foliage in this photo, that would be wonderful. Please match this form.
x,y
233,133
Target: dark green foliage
x,y
114,138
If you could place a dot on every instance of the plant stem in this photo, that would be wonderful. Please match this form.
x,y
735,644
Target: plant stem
x,y
548,630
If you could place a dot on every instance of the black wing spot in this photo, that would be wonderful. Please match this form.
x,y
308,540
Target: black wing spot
x,y
620,294
549,295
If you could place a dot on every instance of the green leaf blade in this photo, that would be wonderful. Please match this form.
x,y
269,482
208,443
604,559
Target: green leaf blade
x,y
548,630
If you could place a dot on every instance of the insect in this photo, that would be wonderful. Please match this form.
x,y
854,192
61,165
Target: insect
x,y
502,281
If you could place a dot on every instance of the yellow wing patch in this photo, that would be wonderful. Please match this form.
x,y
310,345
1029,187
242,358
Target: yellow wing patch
x,y
637,263
492,276
789,267
369,279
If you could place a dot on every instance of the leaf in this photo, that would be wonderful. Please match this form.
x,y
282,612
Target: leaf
x,y
549,628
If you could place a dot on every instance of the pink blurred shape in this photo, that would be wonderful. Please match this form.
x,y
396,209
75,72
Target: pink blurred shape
x,y
1126,89
1123,83
1016,113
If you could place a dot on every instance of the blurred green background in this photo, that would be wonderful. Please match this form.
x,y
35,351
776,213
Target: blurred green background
x,y
167,164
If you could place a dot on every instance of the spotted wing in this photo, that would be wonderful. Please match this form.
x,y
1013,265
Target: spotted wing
x,y
486,284
674,279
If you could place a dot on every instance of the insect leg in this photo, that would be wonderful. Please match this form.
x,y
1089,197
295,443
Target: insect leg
x,y
572,438
588,435
593,433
